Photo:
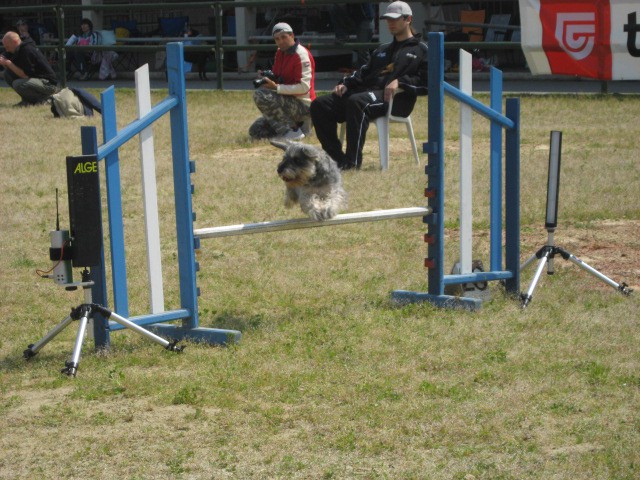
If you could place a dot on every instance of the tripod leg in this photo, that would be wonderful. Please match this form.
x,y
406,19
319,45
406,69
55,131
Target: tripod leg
x,y
150,335
527,297
621,287
34,348
528,261
71,367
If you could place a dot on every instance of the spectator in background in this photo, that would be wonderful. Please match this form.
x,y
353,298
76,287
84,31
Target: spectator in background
x,y
27,71
22,27
355,18
86,63
284,100
80,60
399,66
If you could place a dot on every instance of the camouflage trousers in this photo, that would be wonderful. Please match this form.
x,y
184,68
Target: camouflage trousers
x,y
279,113
31,90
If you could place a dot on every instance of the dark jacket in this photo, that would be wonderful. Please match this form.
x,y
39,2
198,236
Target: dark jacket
x,y
89,102
405,61
33,62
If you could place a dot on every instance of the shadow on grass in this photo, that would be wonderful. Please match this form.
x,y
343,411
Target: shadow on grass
x,y
231,321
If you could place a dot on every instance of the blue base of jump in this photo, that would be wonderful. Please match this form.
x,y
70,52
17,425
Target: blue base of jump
x,y
210,336
446,301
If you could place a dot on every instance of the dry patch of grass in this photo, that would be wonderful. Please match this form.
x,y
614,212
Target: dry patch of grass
x,y
331,380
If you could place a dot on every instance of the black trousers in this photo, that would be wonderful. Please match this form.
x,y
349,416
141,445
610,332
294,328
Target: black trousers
x,y
357,110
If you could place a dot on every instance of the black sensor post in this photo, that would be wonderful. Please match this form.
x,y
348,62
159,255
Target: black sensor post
x,y
553,182
83,183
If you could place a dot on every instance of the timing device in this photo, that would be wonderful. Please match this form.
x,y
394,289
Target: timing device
x,y
81,246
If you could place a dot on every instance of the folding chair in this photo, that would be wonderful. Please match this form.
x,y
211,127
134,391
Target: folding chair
x,y
173,26
126,61
382,124
497,34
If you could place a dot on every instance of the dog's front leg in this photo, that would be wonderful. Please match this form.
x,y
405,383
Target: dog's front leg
x,y
290,197
317,207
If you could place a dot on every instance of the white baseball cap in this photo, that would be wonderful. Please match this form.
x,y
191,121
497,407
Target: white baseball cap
x,y
281,27
397,10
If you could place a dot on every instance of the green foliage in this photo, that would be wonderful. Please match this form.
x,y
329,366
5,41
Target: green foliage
x,y
187,395
176,463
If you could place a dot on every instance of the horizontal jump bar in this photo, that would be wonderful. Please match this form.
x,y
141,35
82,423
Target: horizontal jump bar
x,y
296,223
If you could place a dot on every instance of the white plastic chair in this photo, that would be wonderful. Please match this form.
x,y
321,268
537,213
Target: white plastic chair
x,y
382,124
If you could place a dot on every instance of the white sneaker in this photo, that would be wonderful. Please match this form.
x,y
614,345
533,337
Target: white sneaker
x,y
292,135
306,126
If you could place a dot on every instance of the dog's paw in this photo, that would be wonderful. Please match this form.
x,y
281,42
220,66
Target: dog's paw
x,y
322,214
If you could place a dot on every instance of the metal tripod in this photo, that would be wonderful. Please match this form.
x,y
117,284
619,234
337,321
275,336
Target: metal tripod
x,y
84,313
546,255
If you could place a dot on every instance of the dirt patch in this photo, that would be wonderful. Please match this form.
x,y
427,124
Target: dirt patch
x,y
610,246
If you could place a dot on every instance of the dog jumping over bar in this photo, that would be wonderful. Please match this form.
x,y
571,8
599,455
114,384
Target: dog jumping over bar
x,y
312,180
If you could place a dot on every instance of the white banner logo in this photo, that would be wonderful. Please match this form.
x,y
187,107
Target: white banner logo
x,y
576,33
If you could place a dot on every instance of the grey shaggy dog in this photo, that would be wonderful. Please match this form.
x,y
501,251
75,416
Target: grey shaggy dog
x,y
313,180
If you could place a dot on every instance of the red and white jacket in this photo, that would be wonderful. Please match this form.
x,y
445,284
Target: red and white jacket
x,y
296,69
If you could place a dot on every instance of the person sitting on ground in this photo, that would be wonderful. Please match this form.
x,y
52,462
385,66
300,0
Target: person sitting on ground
x,y
284,101
365,95
27,71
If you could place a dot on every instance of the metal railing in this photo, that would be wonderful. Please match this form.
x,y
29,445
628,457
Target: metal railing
x,y
219,47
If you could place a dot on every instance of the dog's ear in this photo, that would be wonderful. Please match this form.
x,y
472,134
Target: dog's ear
x,y
281,145
311,152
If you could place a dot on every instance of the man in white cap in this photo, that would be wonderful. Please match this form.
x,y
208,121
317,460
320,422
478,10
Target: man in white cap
x,y
365,95
284,100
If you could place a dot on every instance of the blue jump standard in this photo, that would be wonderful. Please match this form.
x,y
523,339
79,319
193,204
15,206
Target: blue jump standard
x,y
175,105
434,170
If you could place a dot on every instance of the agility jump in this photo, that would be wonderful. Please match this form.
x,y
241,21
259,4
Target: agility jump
x,y
188,239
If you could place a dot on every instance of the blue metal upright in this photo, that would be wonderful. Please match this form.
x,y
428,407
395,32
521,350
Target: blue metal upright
x,y
512,197
435,174
434,148
114,205
495,167
98,274
182,188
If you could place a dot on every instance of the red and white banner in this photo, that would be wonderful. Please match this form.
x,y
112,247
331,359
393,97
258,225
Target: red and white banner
x,y
589,38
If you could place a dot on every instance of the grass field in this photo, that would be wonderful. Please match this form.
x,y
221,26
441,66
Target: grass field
x,y
331,379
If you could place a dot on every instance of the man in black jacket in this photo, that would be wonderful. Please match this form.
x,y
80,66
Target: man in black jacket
x,y
27,71
365,95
